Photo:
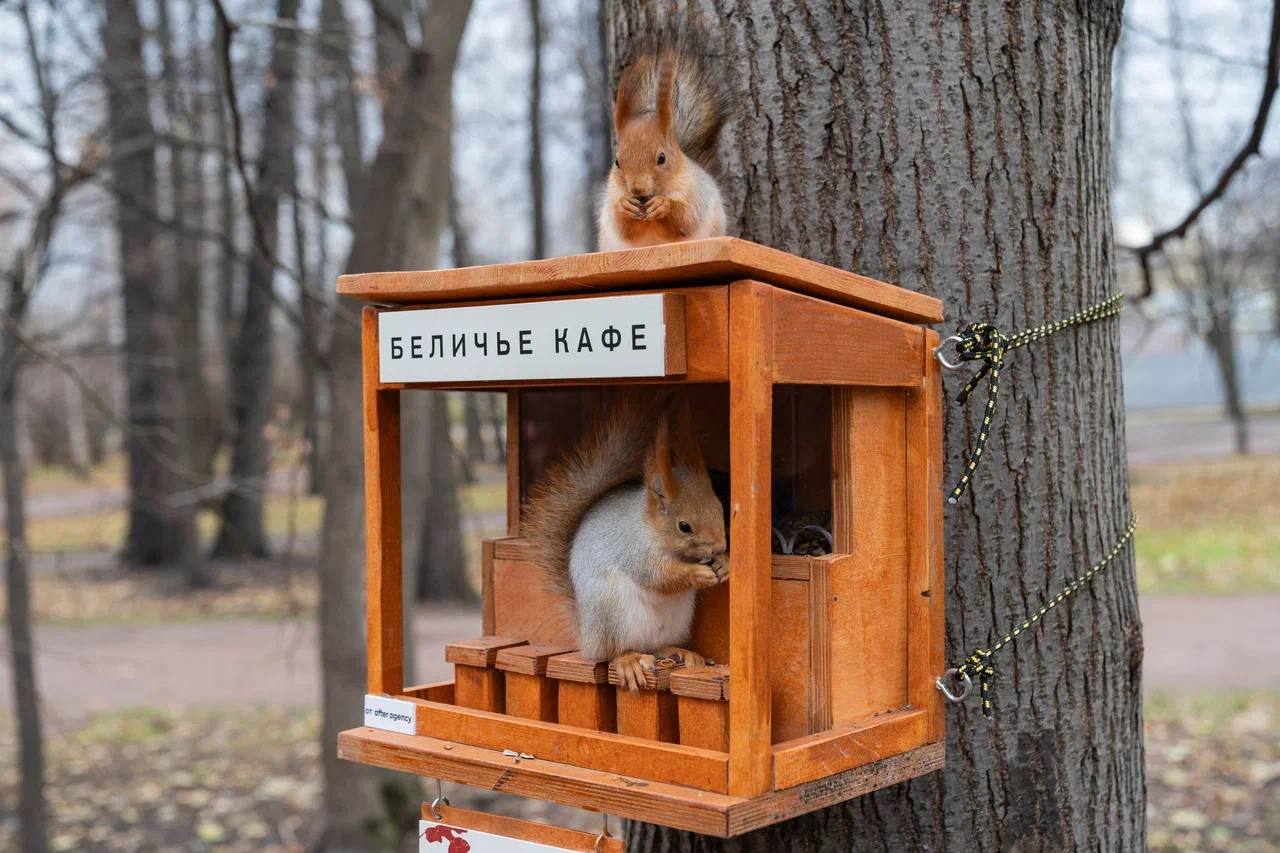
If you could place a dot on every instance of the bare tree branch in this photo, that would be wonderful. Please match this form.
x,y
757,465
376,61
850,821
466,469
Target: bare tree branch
x,y
226,30
1251,147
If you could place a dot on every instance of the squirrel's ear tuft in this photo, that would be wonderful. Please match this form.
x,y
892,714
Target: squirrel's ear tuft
x,y
624,106
666,91
659,475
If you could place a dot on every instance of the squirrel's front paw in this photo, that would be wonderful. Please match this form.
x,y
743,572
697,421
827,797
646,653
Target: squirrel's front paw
x,y
720,565
631,668
658,207
628,206
704,576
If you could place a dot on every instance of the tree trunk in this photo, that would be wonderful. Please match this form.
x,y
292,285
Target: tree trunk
x,y
161,519
406,149
1220,335
32,810
186,287
962,150
497,411
440,564
475,450
243,528
537,183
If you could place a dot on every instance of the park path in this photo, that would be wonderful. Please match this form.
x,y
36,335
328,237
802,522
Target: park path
x,y
1192,645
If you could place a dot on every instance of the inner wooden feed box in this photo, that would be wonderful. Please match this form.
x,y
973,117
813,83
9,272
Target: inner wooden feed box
x,y
818,401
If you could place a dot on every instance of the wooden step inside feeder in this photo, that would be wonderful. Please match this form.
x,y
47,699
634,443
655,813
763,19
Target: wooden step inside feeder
x,y
819,415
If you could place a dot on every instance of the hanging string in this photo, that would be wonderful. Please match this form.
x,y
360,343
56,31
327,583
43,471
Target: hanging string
x,y
986,343
979,665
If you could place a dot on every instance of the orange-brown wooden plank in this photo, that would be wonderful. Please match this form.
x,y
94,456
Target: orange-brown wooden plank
x,y
515,493
750,439
587,706
694,261
530,659
650,712
662,762
479,687
437,691
532,697
845,747
820,642
701,682
926,586
867,605
702,693
482,651
856,348
384,595
637,798
704,723
575,667
524,830
753,813
487,614
522,607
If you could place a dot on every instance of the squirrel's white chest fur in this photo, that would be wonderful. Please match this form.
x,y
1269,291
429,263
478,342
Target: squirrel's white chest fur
x,y
610,556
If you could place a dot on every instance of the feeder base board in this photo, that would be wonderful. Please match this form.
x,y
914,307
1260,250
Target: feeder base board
x,y
675,806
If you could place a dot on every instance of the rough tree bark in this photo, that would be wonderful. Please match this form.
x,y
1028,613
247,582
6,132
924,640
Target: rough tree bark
x,y
404,154
962,150
161,520
243,529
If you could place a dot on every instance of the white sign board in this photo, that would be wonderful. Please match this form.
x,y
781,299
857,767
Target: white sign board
x,y
600,337
392,715
435,837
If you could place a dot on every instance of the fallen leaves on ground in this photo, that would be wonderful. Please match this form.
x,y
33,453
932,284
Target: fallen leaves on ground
x,y
1213,772
250,780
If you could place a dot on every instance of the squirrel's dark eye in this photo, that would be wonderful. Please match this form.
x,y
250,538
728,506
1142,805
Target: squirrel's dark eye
x,y
662,158
685,527
616,164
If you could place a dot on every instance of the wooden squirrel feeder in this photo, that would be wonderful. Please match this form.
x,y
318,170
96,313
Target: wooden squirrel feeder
x,y
817,396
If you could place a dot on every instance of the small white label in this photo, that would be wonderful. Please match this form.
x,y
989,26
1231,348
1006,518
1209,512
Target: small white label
x,y
392,715
596,338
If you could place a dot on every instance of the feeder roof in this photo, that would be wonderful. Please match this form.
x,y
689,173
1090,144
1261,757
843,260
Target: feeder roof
x,y
694,262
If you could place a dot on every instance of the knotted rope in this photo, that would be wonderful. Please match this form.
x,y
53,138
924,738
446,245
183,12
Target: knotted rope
x,y
986,343
979,666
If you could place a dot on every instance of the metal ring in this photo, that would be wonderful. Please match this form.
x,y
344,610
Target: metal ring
x,y
604,832
942,359
435,814
941,684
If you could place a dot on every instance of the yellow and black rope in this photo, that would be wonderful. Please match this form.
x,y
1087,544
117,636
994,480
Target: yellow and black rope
x,y
984,342
978,665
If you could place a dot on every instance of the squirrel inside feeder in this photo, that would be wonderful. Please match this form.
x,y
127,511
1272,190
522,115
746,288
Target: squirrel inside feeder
x,y
670,108
628,527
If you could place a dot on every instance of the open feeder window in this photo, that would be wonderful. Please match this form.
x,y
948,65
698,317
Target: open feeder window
x,y
816,409
552,421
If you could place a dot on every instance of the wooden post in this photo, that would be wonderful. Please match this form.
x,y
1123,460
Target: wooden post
x,y
585,698
650,712
750,453
384,595
530,694
477,682
925,581
701,692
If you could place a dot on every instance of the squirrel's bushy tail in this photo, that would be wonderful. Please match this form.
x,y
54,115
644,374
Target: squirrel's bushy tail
x,y
700,96
611,454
